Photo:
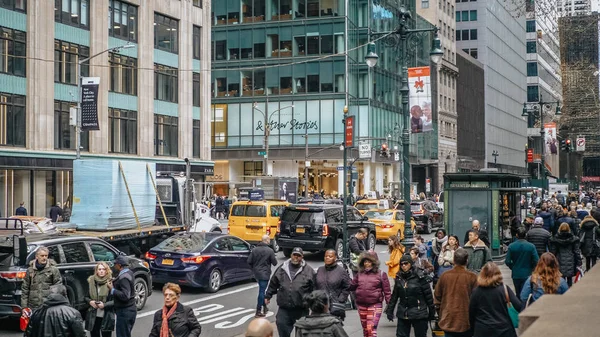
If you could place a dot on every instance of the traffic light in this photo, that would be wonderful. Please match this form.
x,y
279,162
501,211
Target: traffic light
x,y
568,145
563,145
385,151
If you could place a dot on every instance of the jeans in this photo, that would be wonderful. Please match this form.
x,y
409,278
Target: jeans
x,y
285,320
125,321
569,281
419,325
96,332
262,287
589,263
519,283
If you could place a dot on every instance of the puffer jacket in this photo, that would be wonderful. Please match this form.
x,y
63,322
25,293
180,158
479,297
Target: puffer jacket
x,y
183,323
588,247
569,221
335,281
290,288
548,220
37,283
540,238
412,294
479,255
370,286
55,318
323,325
565,246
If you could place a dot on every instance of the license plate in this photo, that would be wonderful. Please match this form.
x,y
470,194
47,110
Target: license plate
x,y
300,230
168,262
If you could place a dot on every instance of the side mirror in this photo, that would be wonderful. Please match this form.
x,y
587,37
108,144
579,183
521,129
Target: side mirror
x,y
364,218
19,249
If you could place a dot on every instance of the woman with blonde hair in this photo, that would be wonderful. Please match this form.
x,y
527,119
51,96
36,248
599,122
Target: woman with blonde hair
x,y
488,312
396,250
100,318
545,279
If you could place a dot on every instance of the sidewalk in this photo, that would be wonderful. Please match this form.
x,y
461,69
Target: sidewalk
x,y
387,328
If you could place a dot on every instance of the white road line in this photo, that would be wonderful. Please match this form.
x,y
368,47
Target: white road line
x,y
203,318
203,299
226,316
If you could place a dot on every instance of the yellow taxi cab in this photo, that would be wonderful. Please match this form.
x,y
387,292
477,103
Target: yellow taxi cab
x,y
388,222
250,220
366,205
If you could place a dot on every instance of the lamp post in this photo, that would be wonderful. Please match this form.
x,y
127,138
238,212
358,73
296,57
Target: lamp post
x,y
267,132
495,154
346,253
403,32
536,110
80,96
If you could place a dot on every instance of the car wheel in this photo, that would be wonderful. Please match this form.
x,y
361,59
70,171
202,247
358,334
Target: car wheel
x,y
287,252
274,245
371,241
339,249
429,227
140,288
214,281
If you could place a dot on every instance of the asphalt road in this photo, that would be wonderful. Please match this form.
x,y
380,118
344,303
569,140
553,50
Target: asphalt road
x,y
222,314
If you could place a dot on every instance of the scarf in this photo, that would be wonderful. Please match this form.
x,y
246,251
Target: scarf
x,y
40,266
164,327
98,288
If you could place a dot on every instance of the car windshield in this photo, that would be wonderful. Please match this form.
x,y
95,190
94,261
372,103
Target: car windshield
x,y
365,206
302,216
6,254
415,207
379,215
186,243
257,211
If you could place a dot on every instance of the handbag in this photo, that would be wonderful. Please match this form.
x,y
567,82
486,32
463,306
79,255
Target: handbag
x,y
512,312
334,305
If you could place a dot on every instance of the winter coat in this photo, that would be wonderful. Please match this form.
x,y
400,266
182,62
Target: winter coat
x,y
335,281
412,295
370,286
569,221
424,265
548,220
521,258
483,236
260,259
540,238
452,293
219,205
565,246
55,318
488,314
422,251
37,283
537,290
55,212
437,244
582,213
394,262
356,246
446,258
479,255
108,320
589,248
322,325
123,290
183,323
290,288
21,211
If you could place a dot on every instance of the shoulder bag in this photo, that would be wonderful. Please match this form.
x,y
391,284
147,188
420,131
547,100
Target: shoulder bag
x,y
335,305
512,312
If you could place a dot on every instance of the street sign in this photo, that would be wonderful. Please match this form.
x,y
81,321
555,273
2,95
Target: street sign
x,y
427,185
364,150
341,168
89,103
397,156
262,153
349,132
580,144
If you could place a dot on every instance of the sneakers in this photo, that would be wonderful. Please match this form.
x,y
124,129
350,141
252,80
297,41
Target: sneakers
x,y
259,313
265,310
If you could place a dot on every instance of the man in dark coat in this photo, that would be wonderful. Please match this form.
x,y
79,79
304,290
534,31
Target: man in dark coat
x,y
479,253
357,246
41,275
261,259
124,297
547,217
539,236
56,317
21,211
589,236
564,217
55,212
483,234
521,258
290,282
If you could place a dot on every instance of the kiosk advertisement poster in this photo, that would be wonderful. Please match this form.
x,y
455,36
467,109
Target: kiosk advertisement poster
x,y
288,191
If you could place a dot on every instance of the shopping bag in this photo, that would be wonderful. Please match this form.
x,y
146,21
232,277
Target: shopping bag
x,y
578,275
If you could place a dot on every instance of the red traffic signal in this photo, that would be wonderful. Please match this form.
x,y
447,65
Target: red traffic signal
x,y
568,142
530,155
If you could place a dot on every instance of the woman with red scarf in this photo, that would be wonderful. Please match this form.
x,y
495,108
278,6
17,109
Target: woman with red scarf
x,y
174,319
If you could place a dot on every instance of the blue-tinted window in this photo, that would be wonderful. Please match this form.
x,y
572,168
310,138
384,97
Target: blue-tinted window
x,y
166,32
530,26
533,93
532,69
457,16
473,15
473,34
16,5
531,47
465,16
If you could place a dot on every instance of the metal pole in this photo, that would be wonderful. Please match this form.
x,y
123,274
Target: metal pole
x,y
543,142
267,131
78,126
346,255
305,162
408,241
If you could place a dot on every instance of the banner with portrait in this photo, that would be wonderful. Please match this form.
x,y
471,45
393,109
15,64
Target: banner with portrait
x,y
421,114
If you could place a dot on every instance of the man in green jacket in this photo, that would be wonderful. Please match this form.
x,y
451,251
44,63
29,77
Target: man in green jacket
x,y
41,275
479,253
521,258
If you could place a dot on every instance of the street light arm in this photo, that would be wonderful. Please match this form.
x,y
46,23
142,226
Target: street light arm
x,y
323,149
114,50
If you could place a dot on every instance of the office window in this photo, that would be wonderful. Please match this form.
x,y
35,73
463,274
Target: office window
x,y
473,34
165,83
66,56
196,42
531,46
473,15
253,168
196,89
533,94
465,16
473,53
122,20
458,35
313,83
65,137
197,3
424,3
15,5
72,13
165,135
166,31
312,45
123,131
196,138
465,35
532,69
457,16
327,44
530,26
12,51
12,120
123,74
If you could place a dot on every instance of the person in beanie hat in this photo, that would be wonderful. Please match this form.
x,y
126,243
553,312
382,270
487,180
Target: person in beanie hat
x,y
371,287
412,294
539,236
123,293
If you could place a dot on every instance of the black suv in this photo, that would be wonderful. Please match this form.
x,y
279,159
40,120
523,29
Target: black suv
x,y
317,228
427,215
76,258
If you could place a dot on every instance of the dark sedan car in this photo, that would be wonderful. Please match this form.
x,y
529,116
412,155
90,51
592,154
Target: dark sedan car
x,y
202,260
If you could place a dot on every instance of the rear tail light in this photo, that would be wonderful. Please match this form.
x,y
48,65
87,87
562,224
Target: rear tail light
x,y
387,225
279,226
149,256
195,259
13,275
325,230
268,230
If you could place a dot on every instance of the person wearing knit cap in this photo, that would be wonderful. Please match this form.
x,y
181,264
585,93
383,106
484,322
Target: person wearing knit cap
x,y
539,236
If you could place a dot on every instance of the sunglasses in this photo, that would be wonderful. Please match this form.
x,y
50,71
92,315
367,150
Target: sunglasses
x,y
404,263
